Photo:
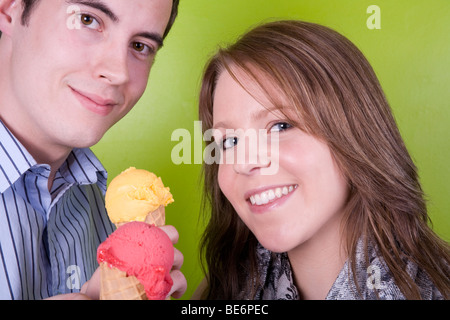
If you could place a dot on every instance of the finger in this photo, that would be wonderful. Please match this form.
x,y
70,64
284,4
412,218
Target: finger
x,y
179,284
92,287
171,232
70,296
178,260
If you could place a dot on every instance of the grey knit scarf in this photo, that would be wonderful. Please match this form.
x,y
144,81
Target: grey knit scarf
x,y
374,281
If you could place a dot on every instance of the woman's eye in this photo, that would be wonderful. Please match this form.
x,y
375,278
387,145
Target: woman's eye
x,y
280,126
89,21
229,142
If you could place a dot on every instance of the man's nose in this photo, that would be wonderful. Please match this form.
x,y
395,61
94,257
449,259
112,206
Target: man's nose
x,y
112,66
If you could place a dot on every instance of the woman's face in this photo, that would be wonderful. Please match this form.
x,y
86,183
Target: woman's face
x,y
294,194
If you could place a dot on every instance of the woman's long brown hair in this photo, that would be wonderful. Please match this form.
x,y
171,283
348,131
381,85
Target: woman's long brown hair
x,y
337,97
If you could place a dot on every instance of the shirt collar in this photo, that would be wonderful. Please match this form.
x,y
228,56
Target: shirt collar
x,y
81,166
14,159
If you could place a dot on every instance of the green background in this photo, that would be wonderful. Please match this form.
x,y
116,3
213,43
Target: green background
x,y
410,54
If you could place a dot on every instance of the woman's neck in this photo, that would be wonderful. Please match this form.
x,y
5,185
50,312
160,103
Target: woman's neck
x,y
317,262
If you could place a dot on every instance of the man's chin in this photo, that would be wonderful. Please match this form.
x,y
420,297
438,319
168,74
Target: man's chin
x,y
84,141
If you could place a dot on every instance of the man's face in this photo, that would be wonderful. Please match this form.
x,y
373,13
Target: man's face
x,y
80,66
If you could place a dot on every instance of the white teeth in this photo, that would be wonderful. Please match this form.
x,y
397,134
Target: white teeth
x,y
278,192
264,198
270,195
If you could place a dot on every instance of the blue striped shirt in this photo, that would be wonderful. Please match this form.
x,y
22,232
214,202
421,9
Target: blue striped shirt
x,y
48,240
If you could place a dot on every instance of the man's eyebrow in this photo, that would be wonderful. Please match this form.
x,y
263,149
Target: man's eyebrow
x,y
152,36
96,4
99,5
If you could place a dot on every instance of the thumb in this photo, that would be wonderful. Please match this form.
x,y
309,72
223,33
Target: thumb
x,y
92,287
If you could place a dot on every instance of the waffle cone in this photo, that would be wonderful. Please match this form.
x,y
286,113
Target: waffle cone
x,y
157,217
116,285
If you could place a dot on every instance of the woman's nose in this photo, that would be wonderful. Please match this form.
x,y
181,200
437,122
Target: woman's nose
x,y
251,156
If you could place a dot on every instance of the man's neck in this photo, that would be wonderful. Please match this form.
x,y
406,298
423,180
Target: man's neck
x,y
53,156
39,149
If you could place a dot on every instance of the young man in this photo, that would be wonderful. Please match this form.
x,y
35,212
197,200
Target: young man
x,y
70,69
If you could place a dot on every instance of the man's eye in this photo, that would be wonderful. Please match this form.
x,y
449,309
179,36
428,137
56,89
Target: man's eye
x,y
143,49
89,21
229,142
138,46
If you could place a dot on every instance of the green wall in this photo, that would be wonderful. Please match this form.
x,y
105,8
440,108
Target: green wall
x,y
410,54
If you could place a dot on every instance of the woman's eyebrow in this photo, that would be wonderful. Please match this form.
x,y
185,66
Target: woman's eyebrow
x,y
97,4
263,113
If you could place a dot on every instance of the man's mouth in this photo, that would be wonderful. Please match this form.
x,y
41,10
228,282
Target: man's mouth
x,y
270,195
95,103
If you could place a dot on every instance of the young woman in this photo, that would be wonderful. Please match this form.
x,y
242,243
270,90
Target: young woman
x,y
343,215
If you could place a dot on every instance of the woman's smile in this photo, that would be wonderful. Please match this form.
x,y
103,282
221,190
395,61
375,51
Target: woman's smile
x,y
267,198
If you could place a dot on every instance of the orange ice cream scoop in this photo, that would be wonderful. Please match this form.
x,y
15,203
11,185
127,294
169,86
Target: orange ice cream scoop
x,y
134,194
141,251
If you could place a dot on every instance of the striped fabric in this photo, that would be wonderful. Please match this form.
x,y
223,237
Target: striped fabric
x,y
48,240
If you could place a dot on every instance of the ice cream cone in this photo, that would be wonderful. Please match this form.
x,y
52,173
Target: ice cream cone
x,y
116,285
132,196
157,217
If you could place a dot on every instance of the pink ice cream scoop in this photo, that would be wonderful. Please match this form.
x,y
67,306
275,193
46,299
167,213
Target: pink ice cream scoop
x,y
143,251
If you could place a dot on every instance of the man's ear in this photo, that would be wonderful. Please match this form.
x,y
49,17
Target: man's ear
x,y
10,13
